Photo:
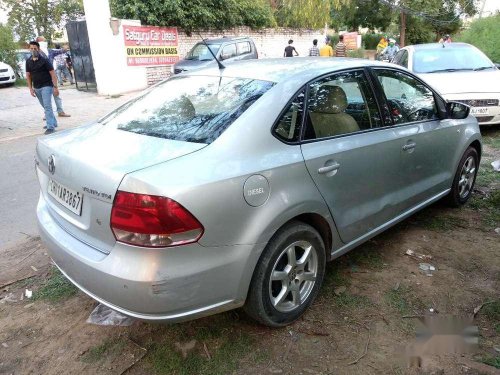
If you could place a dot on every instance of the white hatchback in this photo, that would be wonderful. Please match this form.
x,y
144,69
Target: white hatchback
x,y
460,72
7,74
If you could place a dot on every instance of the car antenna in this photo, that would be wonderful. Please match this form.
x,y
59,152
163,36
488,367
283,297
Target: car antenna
x,y
221,66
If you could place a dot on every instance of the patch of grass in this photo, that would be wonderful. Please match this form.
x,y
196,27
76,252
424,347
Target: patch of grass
x,y
400,299
492,310
225,353
334,277
367,257
21,82
497,328
438,223
99,352
492,141
489,207
492,361
352,301
56,288
486,175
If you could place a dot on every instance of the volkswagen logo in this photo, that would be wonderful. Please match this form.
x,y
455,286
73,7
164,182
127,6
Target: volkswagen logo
x,y
52,164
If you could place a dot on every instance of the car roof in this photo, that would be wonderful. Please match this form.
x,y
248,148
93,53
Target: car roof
x,y
439,45
281,69
224,39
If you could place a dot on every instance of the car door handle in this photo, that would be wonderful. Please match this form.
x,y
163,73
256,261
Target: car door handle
x,y
409,146
329,168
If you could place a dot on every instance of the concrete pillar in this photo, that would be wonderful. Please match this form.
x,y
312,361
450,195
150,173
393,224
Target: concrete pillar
x,y
112,74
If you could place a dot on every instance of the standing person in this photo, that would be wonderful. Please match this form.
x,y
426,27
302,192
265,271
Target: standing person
x,y
289,50
340,48
42,83
47,54
314,50
69,62
61,69
445,39
382,44
391,49
326,50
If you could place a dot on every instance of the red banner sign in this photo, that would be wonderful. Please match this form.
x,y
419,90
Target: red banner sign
x,y
150,46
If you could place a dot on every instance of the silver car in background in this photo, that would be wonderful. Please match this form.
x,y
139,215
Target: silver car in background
x,y
219,189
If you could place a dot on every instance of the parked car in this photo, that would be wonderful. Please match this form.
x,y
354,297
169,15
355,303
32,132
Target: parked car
x,y
460,72
225,49
22,56
217,189
7,75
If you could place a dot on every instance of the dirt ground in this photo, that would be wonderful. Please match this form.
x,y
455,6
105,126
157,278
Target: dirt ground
x,y
363,322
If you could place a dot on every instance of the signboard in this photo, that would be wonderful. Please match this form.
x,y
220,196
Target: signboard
x,y
150,45
351,40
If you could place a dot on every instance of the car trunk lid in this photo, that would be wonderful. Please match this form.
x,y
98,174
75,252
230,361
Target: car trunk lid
x,y
89,163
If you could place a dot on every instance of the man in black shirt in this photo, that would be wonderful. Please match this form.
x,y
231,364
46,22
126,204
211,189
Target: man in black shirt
x,y
42,82
289,50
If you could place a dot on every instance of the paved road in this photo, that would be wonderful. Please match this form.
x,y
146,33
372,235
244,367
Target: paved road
x,y
20,126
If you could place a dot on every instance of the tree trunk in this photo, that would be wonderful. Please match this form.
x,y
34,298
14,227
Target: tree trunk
x,y
402,33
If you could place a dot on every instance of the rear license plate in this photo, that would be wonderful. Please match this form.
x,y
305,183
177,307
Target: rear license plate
x,y
69,198
479,111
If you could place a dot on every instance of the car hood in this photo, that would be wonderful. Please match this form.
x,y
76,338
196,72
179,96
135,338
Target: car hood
x,y
464,82
193,64
4,65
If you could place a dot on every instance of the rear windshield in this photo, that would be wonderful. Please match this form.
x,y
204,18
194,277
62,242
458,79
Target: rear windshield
x,y
190,108
200,52
438,60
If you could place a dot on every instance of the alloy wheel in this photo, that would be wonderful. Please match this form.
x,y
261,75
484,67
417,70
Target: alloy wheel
x,y
293,276
467,175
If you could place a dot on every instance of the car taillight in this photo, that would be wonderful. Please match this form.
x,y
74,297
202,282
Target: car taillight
x,y
152,221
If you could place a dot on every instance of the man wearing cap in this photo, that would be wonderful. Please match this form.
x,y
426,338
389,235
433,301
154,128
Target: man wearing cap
x,y
391,49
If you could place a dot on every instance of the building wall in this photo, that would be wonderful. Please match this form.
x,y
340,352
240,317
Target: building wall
x,y
269,42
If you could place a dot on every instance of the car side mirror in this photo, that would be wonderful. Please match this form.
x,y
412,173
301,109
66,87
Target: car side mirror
x,y
224,57
458,111
497,65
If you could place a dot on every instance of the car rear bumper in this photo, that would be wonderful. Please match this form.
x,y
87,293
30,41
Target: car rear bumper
x,y
173,284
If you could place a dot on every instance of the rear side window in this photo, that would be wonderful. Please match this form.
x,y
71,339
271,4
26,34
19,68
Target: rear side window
x,y
228,51
340,104
289,124
191,108
243,48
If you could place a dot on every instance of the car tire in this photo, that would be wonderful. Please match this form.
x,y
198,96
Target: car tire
x,y
465,177
288,275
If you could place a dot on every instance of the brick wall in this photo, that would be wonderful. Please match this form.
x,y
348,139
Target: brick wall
x,y
269,42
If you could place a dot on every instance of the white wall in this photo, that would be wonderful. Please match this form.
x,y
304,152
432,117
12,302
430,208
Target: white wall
x,y
112,73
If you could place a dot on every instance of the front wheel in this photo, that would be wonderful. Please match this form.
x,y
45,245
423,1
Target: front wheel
x,y
465,177
288,276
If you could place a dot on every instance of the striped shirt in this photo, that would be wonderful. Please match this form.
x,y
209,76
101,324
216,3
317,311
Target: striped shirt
x,y
340,50
314,51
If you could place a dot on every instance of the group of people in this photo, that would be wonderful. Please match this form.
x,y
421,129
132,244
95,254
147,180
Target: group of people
x,y
387,48
43,82
325,51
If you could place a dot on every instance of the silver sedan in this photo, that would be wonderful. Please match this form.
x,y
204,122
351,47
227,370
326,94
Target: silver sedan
x,y
231,188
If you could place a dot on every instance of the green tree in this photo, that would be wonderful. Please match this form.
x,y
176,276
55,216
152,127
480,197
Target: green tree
x,y
30,18
196,14
311,14
371,14
484,33
439,17
7,47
